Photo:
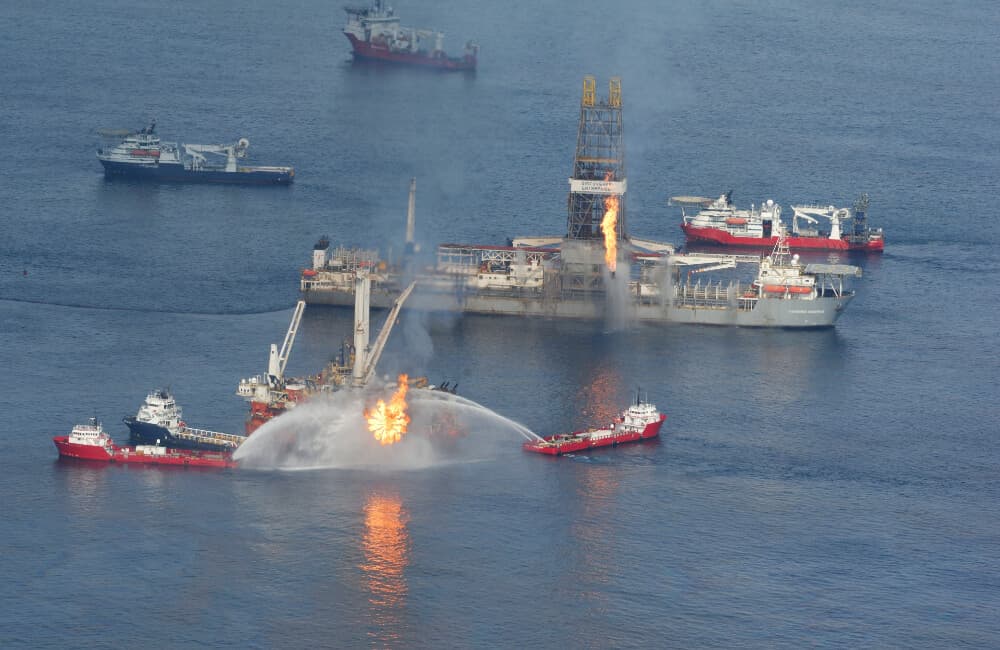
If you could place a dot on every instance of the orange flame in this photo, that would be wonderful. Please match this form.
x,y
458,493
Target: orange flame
x,y
608,224
388,422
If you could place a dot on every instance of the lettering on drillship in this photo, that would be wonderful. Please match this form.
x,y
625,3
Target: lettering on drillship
x,y
597,187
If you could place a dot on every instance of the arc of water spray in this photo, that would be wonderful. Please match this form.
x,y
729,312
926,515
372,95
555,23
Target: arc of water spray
x,y
524,431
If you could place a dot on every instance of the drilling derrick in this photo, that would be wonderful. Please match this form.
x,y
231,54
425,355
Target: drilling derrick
x,y
595,226
599,164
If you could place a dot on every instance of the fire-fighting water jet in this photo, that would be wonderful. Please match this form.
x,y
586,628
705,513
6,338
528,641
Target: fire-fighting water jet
x,y
331,432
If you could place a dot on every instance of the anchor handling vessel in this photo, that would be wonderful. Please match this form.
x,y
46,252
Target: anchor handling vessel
x,y
141,155
91,442
640,421
375,34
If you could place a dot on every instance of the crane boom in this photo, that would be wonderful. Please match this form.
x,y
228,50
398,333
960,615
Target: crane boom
x,y
383,336
231,151
238,148
278,360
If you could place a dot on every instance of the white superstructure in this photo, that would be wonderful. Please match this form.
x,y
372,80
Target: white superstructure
x,y
721,214
91,434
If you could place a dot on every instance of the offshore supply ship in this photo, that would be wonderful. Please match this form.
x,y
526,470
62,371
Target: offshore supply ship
x,y
91,442
597,270
375,34
141,154
640,421
158,422
720,223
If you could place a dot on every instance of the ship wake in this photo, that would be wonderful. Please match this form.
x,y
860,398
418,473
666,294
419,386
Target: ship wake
x,y
331,432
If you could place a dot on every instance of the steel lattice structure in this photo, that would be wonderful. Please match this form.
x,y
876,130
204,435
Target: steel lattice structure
x,y
600,156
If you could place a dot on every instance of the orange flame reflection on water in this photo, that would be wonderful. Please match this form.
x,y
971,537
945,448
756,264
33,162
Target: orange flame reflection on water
x,y
386,549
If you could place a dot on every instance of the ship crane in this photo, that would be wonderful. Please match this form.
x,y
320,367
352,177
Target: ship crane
x,y
230,151
810,212
263,388
278,360
726,263
428,34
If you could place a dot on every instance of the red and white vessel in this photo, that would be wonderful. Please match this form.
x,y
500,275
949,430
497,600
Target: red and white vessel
x,y
272,394
640,421
719,223
375,34
91,442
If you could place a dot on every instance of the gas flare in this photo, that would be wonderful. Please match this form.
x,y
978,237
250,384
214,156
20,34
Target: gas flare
x,y
608,224
388,422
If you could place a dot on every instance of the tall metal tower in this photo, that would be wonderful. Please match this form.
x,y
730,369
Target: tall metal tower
x,y
599,165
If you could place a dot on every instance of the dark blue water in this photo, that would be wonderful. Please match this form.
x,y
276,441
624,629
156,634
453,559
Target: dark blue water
x,y
830,488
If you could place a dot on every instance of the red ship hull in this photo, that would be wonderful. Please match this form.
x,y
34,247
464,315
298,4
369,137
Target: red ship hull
x,y
566,444
377,52
261,414
717,237
129,455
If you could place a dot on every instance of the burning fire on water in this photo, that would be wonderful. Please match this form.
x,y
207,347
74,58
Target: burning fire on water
x,y
388,422
608,224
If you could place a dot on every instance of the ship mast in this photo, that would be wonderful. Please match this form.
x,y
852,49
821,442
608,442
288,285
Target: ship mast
x,y
781,250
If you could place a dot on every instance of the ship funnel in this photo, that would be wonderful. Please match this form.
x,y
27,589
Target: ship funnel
x,y
319,253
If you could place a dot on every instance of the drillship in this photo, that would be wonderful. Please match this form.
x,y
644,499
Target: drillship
x,y
142,155
375,34
597,270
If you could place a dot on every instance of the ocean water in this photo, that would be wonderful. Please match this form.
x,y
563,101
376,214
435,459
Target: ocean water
x,y
833,488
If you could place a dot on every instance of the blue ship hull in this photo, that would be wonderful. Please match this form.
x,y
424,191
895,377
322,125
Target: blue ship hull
x,y
174,173
146,433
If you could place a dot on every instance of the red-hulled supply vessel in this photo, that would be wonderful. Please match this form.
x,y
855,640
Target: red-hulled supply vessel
x,y
815,227
375,34
640,421
91,442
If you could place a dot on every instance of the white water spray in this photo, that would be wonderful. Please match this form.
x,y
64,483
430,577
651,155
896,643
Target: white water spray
x,y
331,432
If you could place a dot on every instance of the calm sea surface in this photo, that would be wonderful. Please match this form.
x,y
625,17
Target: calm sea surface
x,y
827,488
